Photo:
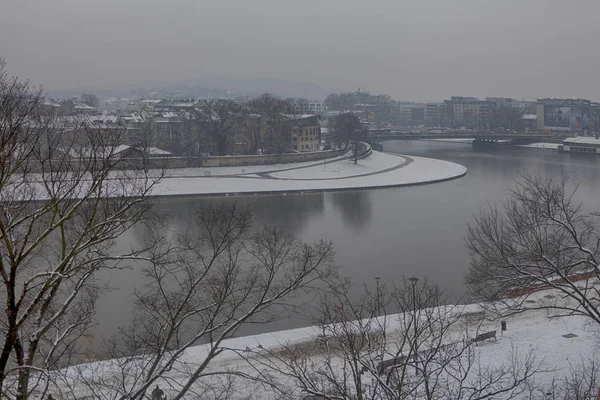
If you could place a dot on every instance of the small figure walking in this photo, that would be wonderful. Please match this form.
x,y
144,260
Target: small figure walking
x,y
158,394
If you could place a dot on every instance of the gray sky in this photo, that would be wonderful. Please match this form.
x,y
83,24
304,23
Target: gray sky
x,y
412,50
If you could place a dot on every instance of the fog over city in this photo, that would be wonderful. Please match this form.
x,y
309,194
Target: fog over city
x,y
417,50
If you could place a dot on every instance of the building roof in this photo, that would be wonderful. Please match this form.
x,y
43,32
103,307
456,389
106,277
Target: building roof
x,y
582,140
50,103
155,151
564,102
81,106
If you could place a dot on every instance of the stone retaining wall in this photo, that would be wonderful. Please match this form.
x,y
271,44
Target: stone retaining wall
x,y
267,159
224,161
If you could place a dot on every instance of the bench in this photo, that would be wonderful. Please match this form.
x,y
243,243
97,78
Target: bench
x,y
382,366
484,336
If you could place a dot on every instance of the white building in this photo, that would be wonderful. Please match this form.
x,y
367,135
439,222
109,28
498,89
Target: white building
x,y
309,107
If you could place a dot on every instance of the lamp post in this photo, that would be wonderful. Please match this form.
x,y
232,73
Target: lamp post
x,y
414,281
378,301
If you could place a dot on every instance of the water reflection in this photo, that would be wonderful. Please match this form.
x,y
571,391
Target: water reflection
x,y
288,212
355,208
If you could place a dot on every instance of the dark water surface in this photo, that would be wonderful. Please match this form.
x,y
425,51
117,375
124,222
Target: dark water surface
x,y
385,232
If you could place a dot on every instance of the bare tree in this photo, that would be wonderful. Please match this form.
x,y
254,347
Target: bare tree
x,y
63,201
201,289
419,353
579,381
347,132
90,99
277,118
220,119
540,239
253,126
505,117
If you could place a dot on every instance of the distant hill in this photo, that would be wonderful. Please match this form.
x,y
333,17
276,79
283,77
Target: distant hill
x,y
280,87
209,87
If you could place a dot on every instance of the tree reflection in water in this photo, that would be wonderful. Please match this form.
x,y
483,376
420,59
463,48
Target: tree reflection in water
x,y
355,207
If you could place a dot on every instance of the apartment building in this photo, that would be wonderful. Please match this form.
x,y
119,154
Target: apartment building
x,y
306,133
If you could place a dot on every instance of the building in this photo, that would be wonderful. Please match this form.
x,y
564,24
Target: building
x,y
502,102
525,106
70,108
309,107
435,115
176,105
473,114
530,122
469,112
417,115
306,133
578,116
589,145
143,105
410,114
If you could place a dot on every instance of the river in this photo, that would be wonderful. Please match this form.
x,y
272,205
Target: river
x,y
389,233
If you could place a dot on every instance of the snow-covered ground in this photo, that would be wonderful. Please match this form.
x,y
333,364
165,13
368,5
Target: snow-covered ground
x,y
541,145
559,343
377,170
245,170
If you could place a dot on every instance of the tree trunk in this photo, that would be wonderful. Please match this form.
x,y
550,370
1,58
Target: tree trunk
x,y
23,384
221,144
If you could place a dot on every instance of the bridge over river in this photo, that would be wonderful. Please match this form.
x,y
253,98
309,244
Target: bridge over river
x,y
479,138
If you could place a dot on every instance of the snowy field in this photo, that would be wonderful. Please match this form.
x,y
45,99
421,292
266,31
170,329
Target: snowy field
x,y
377,170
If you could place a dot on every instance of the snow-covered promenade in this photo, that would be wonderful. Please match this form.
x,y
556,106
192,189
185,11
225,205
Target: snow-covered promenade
x,y
378,170
558,342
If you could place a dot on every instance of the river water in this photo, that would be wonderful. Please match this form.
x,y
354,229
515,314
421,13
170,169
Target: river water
x,y
388,233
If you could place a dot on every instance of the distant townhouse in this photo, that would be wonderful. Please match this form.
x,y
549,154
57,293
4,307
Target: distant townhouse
x,y
306,133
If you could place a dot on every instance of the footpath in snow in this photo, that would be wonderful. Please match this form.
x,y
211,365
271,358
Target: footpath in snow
x,y
375,171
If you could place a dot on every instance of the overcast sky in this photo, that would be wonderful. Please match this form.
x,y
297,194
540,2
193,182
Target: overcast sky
x,y
412,50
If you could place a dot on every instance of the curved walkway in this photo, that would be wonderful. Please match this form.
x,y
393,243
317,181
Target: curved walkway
x,y
407,161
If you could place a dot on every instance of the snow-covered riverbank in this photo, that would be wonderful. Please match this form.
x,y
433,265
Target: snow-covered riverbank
x,y
375,171
559,343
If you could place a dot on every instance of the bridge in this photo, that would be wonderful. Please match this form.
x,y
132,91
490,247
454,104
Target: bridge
x,y
487,136
479,138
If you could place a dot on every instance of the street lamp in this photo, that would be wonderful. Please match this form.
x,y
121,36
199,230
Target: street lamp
x,y
414,281
377,305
